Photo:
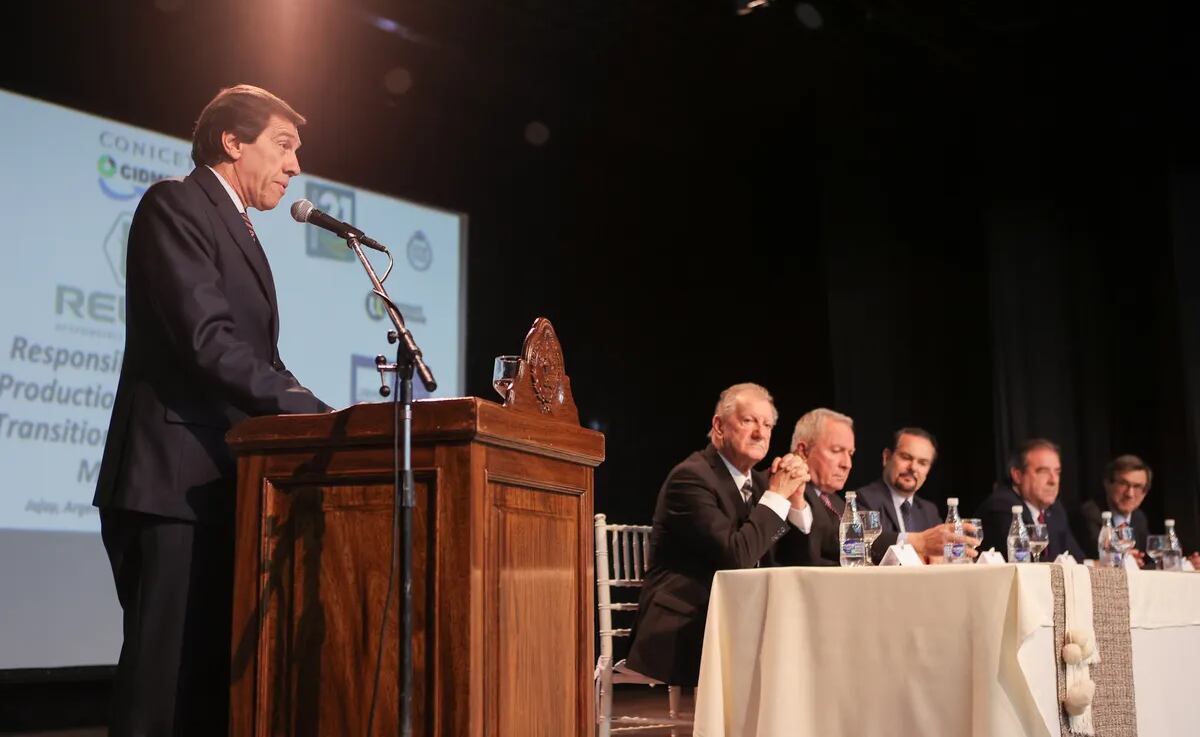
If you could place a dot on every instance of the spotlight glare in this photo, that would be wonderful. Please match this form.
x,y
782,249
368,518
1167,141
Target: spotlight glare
x,y
385,24
745,7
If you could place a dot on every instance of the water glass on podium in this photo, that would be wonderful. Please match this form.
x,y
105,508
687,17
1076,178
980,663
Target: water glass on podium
x,y
504,373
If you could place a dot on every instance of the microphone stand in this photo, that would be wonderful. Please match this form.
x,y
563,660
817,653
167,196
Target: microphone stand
x,y
408,359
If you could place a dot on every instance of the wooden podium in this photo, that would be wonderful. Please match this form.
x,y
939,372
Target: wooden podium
x,y
502,566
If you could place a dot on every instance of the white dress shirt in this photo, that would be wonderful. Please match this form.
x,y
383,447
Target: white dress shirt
x,y
233,195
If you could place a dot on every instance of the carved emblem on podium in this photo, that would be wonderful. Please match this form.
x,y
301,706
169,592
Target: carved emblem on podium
x,y
542,383
545,366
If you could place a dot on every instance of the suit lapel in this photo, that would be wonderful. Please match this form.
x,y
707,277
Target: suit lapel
x,y
1059,531
814,498
232,219
930,515
726,488
824,538
889,509
1026,517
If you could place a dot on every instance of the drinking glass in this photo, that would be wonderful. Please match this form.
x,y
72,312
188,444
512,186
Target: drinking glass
x,y
977,534
1155,545
1123,537
1039,538
872,527
504,373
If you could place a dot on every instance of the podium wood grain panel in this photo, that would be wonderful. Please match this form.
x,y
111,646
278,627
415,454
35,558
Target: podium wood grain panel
x,y
329,553
535,575
502,573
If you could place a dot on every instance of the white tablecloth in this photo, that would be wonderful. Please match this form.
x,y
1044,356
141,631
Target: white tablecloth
x,y
960,651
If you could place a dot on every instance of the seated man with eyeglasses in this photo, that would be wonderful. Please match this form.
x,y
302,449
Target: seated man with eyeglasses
x,y
1126,483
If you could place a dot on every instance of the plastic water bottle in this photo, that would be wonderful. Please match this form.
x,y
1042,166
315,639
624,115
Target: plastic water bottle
x,y
1172,558
955,551
1107,550
1018,538
851,541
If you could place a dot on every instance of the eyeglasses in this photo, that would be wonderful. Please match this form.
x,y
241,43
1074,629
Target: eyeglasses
x,y
1123,484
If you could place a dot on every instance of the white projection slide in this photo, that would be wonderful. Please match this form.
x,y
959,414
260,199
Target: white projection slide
x,y
72,182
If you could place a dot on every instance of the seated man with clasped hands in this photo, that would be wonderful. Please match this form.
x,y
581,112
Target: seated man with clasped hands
x,y
716,512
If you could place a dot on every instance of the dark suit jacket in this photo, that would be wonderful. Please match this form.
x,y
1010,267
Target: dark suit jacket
x,y
877,496
701,526
996,514
201,353
1089,527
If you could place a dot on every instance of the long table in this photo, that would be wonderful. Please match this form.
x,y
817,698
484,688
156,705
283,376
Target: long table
x,y
960,651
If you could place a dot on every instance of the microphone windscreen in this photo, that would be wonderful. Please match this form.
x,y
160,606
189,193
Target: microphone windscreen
x,y
300,210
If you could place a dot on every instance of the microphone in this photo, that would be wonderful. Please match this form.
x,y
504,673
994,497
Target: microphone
x,y
303,211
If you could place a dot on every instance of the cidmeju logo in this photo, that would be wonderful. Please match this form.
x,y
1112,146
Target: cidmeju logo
x,y
141,162
124,181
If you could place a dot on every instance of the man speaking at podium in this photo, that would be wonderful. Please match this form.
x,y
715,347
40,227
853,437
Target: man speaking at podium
x,y
201,354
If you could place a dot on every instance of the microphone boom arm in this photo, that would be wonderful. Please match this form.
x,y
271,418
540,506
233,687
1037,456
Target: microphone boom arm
x,y
407,344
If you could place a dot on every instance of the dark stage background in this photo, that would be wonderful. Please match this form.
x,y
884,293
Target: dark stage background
x,y
975,217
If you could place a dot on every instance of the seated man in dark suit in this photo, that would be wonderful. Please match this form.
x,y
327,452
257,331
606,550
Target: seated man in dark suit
x,y
825,440
905,517
1126,482
716,512
1034,470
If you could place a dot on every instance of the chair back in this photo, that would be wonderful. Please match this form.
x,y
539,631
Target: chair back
x,y
622,557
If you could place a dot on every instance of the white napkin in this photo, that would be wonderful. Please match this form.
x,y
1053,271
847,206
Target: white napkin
x,y
901,555
990,557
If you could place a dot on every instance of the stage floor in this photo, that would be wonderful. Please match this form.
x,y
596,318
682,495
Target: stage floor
x,y
627,700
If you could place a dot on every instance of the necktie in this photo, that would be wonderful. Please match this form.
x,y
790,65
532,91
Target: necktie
x,y
1042,517
748,498
250,227
906,514
269,282
748,492
828,504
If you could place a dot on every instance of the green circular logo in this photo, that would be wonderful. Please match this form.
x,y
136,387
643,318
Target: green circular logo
x,y
375,309
106,166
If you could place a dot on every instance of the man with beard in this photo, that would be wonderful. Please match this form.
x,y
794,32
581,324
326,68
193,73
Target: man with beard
x,y
906,465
